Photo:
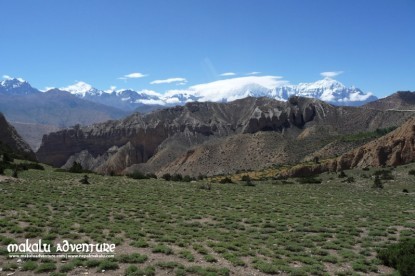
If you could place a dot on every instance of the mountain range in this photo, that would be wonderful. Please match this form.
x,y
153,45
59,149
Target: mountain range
x,y
35,113
327,89
212,138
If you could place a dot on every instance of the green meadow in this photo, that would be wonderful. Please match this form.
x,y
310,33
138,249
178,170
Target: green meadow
x,y
336,227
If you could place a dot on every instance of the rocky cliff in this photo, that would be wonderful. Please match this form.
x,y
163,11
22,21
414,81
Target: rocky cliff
x,y
10,139
209,138
393,149
401,100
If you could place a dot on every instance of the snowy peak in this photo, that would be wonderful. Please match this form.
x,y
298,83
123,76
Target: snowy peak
x,y
16,86
82,89
275,87
333,91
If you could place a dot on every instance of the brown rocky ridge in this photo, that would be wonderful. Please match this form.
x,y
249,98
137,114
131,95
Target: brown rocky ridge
x,y
11,139
212,138
401,100
393,149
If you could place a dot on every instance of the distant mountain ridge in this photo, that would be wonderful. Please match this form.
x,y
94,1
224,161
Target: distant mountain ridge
x,y
327,89
34,113
401,100
10,139
207,137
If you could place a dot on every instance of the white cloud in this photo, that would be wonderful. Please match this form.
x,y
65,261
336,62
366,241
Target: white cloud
x,y
111,89
151,102
47,88
331,74
133,76
7,77
227,74
181,81
253,73
231,89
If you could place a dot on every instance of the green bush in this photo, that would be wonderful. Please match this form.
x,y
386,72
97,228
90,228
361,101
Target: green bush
x,y
137,175
350,179
151,175
29,265
342,174
92,263
134,258
400,256
377,183
133,270
67,267
309,180
107,265
166,176
45,267
225,180
411,172
384,174
161,248
76,168
30,166
176,177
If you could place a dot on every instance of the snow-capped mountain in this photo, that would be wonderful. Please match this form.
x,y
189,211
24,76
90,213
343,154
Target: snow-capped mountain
x,y
327,89
16,86
332,91
82,89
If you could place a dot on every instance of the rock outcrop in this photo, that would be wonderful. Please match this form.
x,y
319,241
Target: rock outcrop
x,y
393,149
401,100
180,139
10,138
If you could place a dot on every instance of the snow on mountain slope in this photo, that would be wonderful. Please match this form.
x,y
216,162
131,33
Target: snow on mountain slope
x,y
332,91
16,86
327,89
237,88
82,89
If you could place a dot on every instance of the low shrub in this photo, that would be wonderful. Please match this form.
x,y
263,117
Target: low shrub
x,y
137,175
309,180
107,265
134,258
400,256
177,177
377,183
384,174
225,180
45,267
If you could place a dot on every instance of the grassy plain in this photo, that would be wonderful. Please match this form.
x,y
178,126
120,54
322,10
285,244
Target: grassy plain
x,y
174,228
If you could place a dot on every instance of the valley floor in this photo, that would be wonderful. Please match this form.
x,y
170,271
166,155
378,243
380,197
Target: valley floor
x,y
178,228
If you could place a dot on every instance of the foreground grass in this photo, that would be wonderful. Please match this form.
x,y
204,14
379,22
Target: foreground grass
x,y
329,228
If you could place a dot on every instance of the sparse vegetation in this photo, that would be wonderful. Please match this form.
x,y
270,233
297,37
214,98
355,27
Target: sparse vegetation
x,y
225,180
377,183
138,175
84,179
400,256
367,135
309,180
76,168
266,230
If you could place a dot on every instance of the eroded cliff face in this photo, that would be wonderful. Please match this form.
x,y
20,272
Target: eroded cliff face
x,y
10,138
393,149
160,141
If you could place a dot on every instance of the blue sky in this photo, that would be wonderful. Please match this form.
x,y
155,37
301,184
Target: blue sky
x,y
101,42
